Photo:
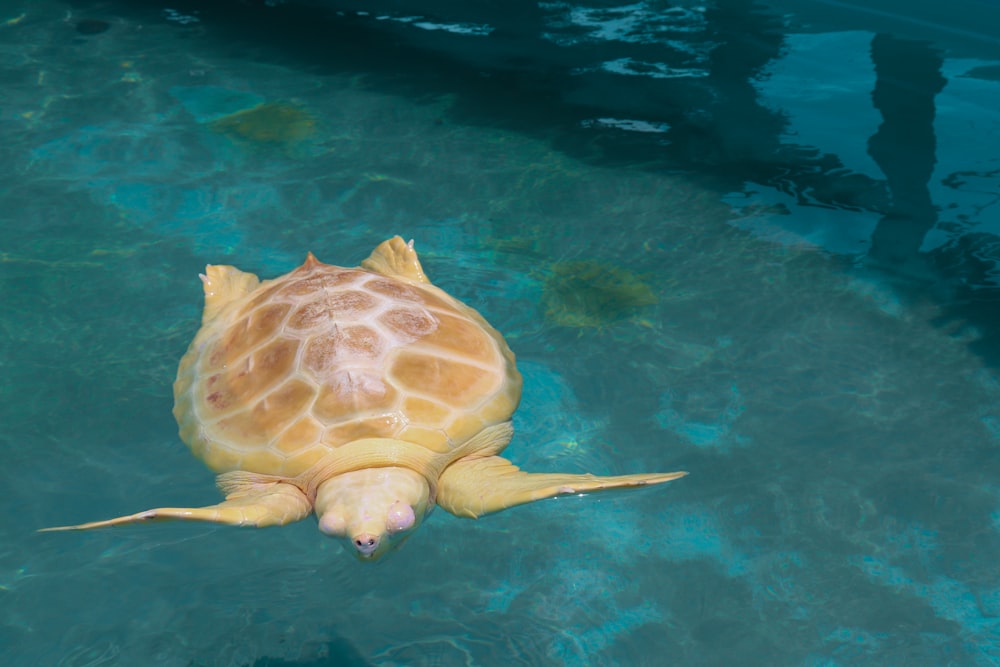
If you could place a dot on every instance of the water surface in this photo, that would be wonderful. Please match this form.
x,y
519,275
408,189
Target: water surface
x,y
785,213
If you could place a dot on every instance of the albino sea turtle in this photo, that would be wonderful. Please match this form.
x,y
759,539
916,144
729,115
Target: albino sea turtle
x,y
365,395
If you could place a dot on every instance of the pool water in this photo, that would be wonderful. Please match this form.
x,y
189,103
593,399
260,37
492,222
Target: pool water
x,y
756,242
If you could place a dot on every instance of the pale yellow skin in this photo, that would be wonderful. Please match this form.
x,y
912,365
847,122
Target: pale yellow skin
x,y
364,395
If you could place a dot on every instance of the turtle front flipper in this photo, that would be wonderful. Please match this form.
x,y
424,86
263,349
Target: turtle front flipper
x,y
397,258
257,505
474,487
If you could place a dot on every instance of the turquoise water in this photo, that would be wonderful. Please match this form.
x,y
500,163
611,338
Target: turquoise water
x,y
800,200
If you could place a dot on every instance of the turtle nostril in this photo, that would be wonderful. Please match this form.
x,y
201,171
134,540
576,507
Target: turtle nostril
x,y
366,543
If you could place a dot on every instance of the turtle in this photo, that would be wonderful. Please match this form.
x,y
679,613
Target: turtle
x,y
366,396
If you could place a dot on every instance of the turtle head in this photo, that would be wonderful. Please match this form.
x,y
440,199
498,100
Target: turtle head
x,y
374,509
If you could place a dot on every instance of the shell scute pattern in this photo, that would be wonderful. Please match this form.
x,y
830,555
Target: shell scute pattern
x,y
256,427
317,280
353,394
445,379
301,435
250,331
319,311
458,336
394,290
236,386
325,355
369,427
408,322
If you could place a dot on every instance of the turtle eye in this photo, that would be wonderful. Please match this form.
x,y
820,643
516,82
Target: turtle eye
x,y
400,517
333,524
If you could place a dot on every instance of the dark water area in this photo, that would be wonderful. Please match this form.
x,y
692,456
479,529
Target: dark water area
x,y
685,86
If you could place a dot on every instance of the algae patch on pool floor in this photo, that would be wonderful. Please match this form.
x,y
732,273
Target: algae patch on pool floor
x,y
269,124
593,294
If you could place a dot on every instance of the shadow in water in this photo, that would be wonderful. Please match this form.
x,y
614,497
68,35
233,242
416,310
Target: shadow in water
x,y
336,653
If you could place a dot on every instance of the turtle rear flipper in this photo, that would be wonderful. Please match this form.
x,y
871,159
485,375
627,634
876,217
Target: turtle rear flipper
x,y
476,486
224,284
396,258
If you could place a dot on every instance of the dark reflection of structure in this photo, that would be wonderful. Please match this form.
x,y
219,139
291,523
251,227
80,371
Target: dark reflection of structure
x,y
908,79
969,263
737,130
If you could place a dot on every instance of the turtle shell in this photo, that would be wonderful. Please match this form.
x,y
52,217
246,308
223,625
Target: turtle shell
x,y
324,355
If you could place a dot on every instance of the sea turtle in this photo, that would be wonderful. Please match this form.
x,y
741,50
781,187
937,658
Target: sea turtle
x,y
365,395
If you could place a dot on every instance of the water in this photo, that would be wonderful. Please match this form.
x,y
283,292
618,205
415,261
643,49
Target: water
x,y
790,292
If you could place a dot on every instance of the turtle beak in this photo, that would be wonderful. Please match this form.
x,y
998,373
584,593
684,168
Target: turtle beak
x,y
366,544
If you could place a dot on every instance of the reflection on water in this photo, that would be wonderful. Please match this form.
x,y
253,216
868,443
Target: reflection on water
x,y
799,202
908,77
